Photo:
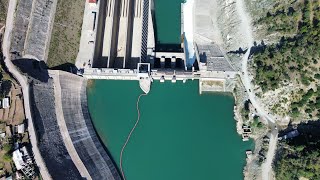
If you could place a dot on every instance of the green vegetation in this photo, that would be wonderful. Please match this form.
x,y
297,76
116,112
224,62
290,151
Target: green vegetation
x,y
292,58
5,79
299,157
5,88
310,101
295,58
245,110
7,157
65,40
7,147
256,123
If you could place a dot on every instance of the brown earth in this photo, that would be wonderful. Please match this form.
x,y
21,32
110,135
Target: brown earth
x,y
15,114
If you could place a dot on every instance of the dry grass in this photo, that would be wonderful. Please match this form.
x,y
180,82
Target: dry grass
x,y
213,83
66,32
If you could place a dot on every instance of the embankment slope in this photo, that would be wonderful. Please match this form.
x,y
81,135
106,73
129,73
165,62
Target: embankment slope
x,y
81,130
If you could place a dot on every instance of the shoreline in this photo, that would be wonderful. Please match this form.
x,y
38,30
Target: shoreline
x,y
236,116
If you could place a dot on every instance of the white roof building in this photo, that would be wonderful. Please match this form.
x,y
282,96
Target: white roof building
x,y
23,161
21,128
5,103
17,159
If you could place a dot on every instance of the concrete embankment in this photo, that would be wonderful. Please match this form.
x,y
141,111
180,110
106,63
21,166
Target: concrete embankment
x,y
51,146
67,140
83,135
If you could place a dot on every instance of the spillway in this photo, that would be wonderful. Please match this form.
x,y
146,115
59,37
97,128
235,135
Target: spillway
x,y
124,31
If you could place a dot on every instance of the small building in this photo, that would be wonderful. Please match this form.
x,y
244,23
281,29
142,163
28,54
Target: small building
x,y
290,134
8,131
5,102
17,159
2,135
23,162
21,128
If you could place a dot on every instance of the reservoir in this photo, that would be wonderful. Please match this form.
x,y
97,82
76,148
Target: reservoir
x,y
181,135
168,21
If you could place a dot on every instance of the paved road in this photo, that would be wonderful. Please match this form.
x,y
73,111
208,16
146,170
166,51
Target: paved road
x,y
25,88
246,26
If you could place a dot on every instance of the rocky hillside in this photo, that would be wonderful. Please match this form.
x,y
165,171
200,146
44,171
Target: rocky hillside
x,y
286,60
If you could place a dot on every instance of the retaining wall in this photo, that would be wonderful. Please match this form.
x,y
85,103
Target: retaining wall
x,y
50,143
81,130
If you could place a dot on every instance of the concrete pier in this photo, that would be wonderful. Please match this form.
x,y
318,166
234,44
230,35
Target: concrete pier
x,y
162,62
127,32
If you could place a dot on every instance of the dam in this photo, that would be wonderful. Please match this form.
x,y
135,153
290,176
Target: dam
x,y
67,140
123,45
123,26
118,41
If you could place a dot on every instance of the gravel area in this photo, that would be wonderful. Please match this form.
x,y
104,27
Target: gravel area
x,y
52,149
39,32
20,28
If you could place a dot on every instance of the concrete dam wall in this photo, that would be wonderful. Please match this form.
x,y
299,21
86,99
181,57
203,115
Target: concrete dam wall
x,y
67,140
122,34
50,139
81,130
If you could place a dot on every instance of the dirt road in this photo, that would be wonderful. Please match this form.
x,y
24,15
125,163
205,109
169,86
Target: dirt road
x,y
25,88
246,26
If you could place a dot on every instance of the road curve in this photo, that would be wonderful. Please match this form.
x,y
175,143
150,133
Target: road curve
x,y
247,28
25,88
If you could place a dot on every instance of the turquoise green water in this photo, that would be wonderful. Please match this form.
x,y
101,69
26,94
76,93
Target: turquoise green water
x,y
168,21
181,136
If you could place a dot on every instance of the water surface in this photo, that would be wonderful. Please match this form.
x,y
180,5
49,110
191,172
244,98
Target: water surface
x,y
181,136
168,21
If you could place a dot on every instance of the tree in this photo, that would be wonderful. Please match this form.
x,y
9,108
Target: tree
x,y
7,157
7,147
5,88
